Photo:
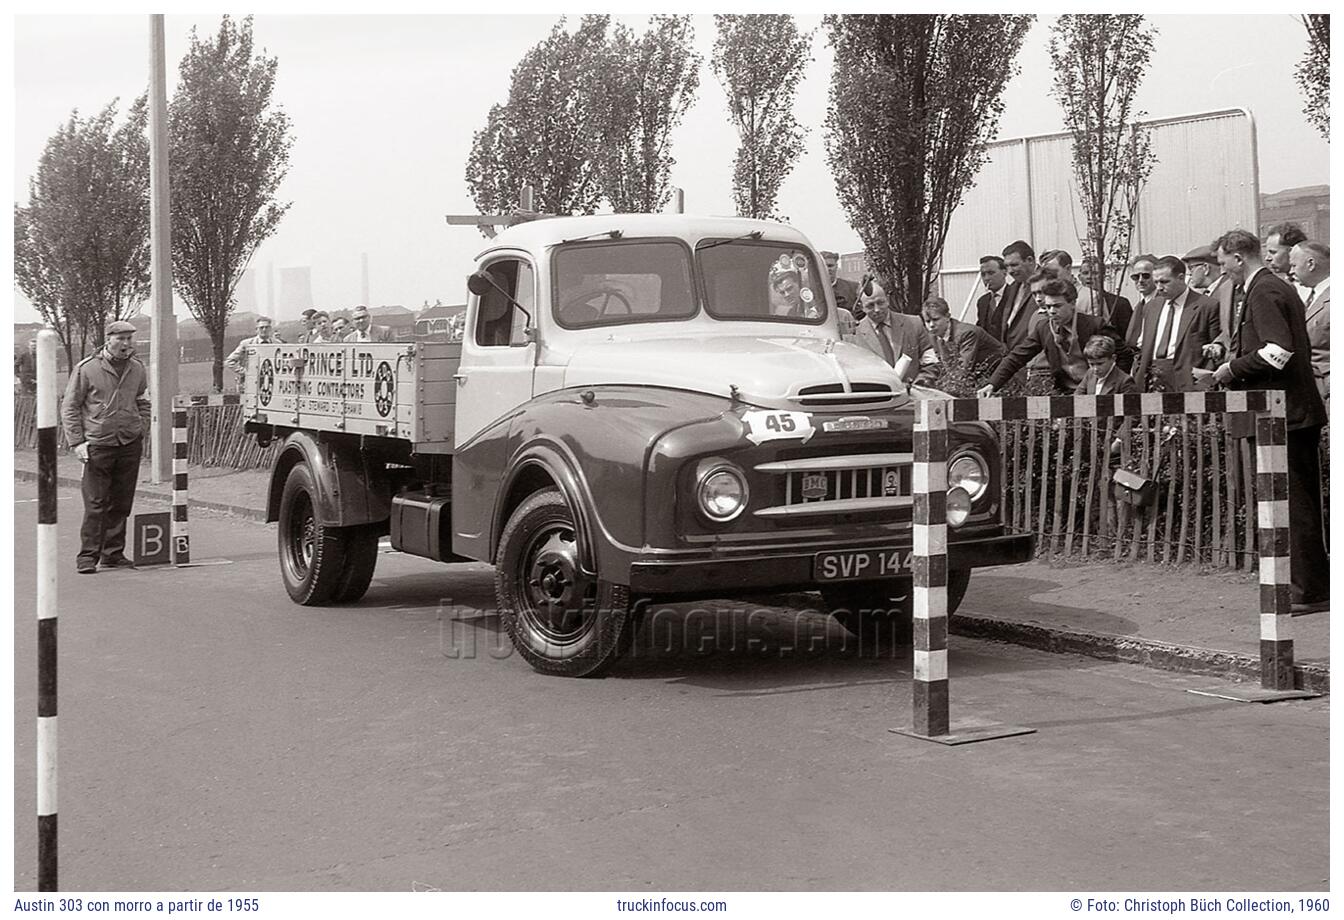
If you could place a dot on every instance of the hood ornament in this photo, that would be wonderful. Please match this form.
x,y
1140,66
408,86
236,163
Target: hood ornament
x,y
733,393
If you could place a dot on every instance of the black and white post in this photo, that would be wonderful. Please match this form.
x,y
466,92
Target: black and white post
x,y
47,559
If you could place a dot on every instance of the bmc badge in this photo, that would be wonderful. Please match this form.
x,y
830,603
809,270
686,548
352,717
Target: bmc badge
x,y
891,483
814,486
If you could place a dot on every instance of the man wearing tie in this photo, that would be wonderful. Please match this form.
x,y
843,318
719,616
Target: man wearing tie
x,y
1012,322
1060,338
994,273
1311,267
958,344
1175,333
1270,351
1141,273
890,335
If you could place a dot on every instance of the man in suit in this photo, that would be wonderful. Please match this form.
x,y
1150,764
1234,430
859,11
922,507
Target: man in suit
x,y
1114,310
846,291
1311,267
994,274
1104,375
1061,339
1171,344
1271,350
1279,243
1201,270
890,335
1141,274
364,330
958,344
1012,320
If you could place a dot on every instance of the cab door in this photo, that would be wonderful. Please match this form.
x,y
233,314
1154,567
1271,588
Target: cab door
x,y
498,361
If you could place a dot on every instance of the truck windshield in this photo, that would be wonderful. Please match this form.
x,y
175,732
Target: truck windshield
x,y
611,281
761,280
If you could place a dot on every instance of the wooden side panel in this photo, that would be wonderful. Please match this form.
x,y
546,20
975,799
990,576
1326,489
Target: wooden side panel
x,y
435,397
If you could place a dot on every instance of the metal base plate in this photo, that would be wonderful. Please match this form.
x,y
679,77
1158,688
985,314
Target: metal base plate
x,y
1253,694
967,731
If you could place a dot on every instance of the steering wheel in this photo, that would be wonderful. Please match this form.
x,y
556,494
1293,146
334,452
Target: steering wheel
x,y
608,295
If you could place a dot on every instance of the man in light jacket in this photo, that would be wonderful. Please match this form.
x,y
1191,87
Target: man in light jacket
x,y
105,415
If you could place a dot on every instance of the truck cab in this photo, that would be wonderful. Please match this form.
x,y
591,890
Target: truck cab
x,y
652,407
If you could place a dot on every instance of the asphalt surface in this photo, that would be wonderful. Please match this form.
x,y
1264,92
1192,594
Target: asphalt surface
x,y
216,737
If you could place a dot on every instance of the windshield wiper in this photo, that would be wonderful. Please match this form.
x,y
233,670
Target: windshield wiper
x,y
753,235
614,234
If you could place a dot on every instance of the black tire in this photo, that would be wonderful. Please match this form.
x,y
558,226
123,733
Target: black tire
x,y
879,613
561,619
312,557
361,557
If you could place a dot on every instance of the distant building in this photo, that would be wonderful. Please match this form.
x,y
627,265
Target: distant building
x,y
1308,207
399,319
245,291
853,265
296,291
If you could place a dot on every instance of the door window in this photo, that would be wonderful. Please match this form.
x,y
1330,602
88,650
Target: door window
x,y
498,321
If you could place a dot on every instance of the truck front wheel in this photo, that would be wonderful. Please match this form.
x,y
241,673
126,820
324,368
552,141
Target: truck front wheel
x,y
879,613
562,619
312,556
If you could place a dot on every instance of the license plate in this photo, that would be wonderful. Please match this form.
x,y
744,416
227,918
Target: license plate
x,y
868,563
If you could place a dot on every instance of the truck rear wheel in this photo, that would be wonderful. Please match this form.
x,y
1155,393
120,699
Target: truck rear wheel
x,y
879,614
561,619
312,556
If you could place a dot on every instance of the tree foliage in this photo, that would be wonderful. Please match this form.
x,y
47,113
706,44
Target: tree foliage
x,y
914,99
548,131
1313,72
228,153
759,60
647,85
81,246
1099,62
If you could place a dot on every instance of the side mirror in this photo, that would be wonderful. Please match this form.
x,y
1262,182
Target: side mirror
x,y
479,283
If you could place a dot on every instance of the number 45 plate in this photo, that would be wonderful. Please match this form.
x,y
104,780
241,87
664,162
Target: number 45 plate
x,y
769,425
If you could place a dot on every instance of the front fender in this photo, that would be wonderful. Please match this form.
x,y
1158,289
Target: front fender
x,y
350,489
596,444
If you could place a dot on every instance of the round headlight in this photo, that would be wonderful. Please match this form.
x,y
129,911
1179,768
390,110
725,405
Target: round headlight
x,y
968,472
722,493
958,507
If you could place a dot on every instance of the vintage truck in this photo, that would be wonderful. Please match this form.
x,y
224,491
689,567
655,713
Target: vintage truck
x,y
642,407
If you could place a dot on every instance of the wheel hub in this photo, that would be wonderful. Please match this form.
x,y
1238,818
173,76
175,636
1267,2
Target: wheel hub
x,y
558,591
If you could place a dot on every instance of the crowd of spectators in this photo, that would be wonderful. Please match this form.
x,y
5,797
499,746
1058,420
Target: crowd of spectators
x,y
1036,320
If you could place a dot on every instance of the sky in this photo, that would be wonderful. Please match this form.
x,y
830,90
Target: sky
x,y
383,108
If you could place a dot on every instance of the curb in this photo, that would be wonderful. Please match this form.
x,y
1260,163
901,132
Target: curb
x,y
255,514
1162,656
1129,649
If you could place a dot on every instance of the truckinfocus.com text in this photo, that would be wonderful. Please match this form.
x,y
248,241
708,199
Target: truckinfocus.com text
x,y
686,630
663,904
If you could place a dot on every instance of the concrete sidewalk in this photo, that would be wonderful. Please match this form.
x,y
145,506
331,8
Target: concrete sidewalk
x,y
1159,616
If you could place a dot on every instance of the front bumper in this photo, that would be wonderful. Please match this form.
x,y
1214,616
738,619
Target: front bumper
x,y
793,569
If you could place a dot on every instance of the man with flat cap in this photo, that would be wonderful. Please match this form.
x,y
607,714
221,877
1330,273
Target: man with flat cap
x,y
105,415
1205,275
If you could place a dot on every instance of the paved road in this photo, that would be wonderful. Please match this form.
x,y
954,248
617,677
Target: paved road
x,y
213,736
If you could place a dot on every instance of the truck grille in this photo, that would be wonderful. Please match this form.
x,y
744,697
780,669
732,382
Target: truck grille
x,y
841,484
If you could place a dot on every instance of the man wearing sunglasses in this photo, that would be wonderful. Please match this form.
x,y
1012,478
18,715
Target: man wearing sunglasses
x,y
1141,274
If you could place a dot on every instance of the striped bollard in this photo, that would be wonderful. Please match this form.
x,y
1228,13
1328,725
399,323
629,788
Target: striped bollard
x,y
181,533
931,721
1271,494
47,561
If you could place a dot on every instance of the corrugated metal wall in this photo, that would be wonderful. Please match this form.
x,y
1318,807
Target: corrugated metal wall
x,y
1205,182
